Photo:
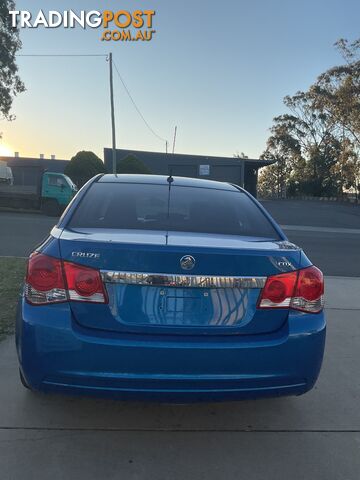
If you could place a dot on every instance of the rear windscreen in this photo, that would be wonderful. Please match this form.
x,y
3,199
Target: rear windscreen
x,y
187,209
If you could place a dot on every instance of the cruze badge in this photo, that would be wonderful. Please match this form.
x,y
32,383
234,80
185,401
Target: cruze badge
x,y
85,255
187,262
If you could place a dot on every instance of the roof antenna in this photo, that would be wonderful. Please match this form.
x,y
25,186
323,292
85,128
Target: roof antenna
x,y
170,180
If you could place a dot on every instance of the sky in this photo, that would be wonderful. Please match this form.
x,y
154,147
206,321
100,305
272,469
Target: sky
x,y
216,70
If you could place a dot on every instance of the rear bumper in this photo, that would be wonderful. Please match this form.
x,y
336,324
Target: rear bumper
x,y
55,354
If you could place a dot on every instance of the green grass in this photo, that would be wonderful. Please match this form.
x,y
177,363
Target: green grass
x,y
12,271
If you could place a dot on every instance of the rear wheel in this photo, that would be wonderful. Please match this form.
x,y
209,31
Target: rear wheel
x,y
51,208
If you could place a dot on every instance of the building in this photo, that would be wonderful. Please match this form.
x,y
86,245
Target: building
x,y
25,170
243,172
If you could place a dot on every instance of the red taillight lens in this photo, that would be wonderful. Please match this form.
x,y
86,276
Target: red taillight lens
x,y
45,282
44,273
309,292
310,284
300,290
87,283
84,284
278,291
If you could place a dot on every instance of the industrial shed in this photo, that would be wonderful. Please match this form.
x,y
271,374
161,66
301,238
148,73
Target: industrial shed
x,y
242,172
26,169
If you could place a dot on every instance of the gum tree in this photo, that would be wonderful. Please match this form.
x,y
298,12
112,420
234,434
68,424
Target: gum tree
x,y
10,82
317,142
337,94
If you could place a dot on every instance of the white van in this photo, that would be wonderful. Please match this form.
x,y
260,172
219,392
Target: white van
x,y
6,175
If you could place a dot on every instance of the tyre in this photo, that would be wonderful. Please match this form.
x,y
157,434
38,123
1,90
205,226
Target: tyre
x,y
51,208
23,381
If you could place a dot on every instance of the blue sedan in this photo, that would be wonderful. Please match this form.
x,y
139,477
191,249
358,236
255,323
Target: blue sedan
x,y
170,289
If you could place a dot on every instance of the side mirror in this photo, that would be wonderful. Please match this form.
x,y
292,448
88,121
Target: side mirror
x,y
62,186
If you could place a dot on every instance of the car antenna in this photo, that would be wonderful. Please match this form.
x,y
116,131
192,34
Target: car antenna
x,y
170,180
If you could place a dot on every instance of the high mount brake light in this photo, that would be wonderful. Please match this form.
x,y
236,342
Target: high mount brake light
x,y
299,290
49,280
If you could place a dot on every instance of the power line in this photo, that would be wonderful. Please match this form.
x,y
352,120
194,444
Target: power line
x,y
119,75
136,107
61,55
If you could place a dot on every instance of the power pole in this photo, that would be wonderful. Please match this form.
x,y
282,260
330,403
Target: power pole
x,y
242,173
174,142
112,114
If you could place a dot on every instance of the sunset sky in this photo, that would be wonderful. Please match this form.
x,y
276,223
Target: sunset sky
x,y
217,70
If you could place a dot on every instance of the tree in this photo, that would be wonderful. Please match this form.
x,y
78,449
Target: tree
x,y
337,94
285,151
10,82
240,155
317,144
132,164
83,166
337,90
347,168
306,147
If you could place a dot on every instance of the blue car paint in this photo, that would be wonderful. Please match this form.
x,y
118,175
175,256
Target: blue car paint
x,y
64,348
58,355
231,257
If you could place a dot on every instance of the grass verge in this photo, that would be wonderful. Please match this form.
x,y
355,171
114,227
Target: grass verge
x,y
12,271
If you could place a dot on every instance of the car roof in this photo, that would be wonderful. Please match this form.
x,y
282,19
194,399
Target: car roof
x,y
163,180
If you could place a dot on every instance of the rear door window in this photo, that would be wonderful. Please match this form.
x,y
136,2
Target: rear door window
x,y
190,209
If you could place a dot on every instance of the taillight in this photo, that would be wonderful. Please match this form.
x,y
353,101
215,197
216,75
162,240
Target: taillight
x,y
49,280
300,290
84,284
44,281
278,291
309,292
